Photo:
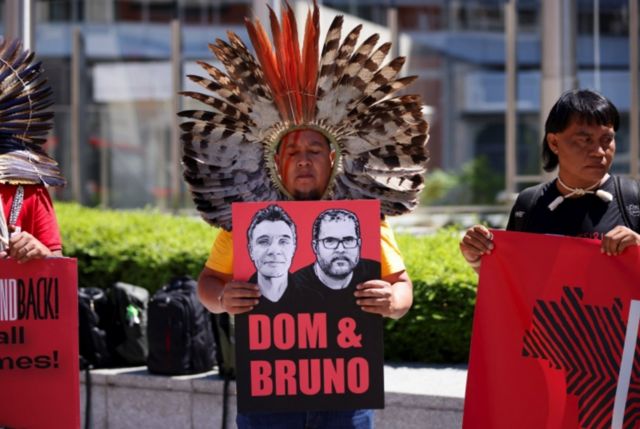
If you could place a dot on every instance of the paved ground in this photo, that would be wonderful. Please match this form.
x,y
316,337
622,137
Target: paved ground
x,y
432,380
424,397
416,396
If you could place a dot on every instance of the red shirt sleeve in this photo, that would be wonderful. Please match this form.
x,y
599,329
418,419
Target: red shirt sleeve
x,y
37,215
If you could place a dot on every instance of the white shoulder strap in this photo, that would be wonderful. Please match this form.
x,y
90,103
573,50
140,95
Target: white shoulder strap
x,y
16,206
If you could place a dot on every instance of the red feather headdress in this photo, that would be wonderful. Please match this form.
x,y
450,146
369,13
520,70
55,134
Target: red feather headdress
x,y
346,93
291,75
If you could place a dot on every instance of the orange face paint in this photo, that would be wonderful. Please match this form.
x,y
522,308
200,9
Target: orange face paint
x,y
284,160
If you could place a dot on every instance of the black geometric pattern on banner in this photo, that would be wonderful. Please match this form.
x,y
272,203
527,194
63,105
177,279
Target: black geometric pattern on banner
x,y
585,341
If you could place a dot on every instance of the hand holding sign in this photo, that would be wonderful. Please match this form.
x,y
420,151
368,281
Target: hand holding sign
x,y
381,297
239,297
619,238
24,247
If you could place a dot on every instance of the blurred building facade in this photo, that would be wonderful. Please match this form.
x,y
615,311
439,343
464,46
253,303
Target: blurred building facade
x,y
456,47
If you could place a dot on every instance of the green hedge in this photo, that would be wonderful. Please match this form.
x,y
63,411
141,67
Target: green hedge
x,y
147,248
438,326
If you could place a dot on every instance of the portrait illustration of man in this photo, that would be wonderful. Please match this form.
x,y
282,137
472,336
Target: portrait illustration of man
x,y
336,243
271,240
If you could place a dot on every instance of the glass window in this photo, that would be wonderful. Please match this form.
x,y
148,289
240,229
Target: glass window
x,y
58,10
423,18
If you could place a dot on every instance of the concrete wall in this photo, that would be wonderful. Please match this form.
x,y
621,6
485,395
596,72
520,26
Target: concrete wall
x,y
131,398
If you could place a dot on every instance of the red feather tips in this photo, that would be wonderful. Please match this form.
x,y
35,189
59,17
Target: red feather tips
x,y
291,75
309,76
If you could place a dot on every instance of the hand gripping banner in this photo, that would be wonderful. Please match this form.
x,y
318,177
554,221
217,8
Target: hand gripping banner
x,y
555,336
39,384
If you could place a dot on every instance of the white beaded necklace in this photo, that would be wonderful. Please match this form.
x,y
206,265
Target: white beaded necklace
x,y
600,193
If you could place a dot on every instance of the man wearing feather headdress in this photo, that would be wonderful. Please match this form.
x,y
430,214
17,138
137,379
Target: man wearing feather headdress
x,y
28,226
296,125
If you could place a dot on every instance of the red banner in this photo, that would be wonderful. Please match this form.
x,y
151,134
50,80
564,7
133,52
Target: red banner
x,y
39,385
555,336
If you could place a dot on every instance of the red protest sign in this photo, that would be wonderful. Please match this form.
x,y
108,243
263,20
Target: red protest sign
x,y
555,336
39,344
307,345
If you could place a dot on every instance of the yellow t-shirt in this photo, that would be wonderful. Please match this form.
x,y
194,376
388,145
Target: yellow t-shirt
x,y
391,262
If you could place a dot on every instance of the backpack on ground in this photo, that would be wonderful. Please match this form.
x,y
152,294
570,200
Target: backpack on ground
x,y
179,330
127,328
224,334
93,310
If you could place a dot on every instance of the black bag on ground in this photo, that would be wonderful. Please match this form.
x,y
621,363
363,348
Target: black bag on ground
x,y
179,330
127,326
224,334
93,310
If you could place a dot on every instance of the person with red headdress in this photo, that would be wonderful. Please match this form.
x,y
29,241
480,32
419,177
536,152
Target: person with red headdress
x,y
296,125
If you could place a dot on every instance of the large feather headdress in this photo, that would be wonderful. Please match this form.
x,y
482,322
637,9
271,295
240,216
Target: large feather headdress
x,y
346,93
25,97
